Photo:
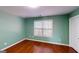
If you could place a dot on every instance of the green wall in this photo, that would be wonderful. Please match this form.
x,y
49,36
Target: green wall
x,y
60,31
11,29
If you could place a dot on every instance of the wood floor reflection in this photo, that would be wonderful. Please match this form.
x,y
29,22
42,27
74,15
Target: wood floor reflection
x,y
28,46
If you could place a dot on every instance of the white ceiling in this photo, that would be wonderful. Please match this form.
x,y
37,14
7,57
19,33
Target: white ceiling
x,y
25,11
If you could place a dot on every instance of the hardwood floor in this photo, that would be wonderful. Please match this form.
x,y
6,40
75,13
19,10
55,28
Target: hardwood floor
x,y
28,46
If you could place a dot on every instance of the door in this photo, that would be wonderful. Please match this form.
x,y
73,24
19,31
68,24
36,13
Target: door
x,y
74,32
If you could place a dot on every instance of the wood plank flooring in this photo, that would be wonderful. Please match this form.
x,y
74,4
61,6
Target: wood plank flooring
x,y
28,46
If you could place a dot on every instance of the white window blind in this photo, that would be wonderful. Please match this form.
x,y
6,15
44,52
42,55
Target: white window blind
x,y
43,28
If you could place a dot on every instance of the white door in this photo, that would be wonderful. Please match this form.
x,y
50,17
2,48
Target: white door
x,y
74,32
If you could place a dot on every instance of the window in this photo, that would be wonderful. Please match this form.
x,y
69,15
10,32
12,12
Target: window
x,y
43,28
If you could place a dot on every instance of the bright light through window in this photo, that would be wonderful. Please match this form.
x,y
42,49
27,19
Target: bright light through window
x,y
43,28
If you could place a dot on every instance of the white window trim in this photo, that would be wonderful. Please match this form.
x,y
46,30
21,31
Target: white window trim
x,y
42,32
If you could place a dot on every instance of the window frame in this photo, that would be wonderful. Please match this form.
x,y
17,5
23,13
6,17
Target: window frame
x,y
43,29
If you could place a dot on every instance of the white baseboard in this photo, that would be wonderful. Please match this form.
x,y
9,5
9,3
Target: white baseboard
x,y
47,42
12,45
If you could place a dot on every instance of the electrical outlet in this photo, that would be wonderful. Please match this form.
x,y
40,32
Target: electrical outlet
x,y
5,43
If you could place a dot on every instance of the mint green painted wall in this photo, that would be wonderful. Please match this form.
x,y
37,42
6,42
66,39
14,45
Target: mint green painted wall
x,y
11,29
60,31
